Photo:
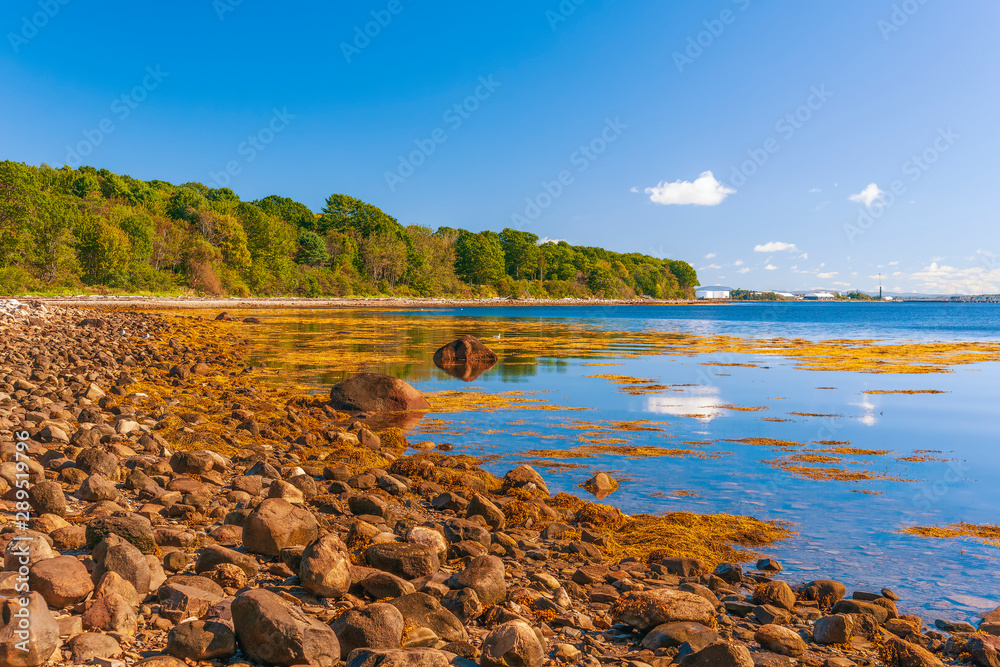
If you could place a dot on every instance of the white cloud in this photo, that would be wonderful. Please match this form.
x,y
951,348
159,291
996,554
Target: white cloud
x,y
710,255
770,267
946,279
546,239
815,190
774,246
839,284
703,191
824,276
738,262
633,189
710,266
745,269
804,255
868,195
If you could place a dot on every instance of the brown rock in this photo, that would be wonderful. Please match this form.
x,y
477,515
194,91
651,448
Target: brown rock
x,y
374,392
63,581
273,632
277,524
645,610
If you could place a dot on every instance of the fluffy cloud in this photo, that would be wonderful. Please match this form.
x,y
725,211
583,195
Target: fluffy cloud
x,y
710,266
774,246
868,195
745,269
770,267
824,276
703,191
941,278
710,255
738,262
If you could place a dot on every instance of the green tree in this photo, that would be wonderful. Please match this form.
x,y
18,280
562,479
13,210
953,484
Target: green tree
x,y
288,210
520,250
479,258
311,250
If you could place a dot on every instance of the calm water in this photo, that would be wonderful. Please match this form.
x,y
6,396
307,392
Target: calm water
x,y
842,534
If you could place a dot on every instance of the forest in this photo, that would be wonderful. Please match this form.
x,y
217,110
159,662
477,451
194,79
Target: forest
x,y
87,230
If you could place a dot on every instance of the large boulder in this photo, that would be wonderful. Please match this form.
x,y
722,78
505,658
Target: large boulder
x,y
115,554
485,575
277,524
272,632
420,610
374,392
645,610
62,581
408,561
466,358
512,643
201,640
43,638
325,569
720,654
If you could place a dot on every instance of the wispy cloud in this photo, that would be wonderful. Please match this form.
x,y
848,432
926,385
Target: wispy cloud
x,y
775,246
949,279
815,190
703,191
868,195
710,255
824,276
770,267
745,269
710,266
738,262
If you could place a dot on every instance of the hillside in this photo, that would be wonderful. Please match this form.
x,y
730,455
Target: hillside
x,y
71,230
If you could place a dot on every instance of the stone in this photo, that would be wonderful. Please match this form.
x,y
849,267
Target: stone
x,y
215,555
97,461
116,555
486,576
42,640
179,601
512,643
835,629
906,654
524,477
824,591
96,488
464,604
423,611
377,626
132,527
26,548
111,613
408,561
601,485
380,585
683,567
465,350
63,581
273,632
480,505
698,636
645,610
201,640
90,645
111,582
325,570
984,649
720,654
780,639
48,498
375,392
277,524
879,613
412,657
776,593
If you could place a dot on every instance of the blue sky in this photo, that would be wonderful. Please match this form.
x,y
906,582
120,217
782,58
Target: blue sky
x,y
843,139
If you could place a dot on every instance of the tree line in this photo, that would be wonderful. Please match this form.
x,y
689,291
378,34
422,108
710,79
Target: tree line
x,y
65,230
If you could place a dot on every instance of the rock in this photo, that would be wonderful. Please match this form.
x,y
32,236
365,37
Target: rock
x,y
277,524
769,565
984,649
731,573
63,581
179,601
776,593
27,548
524,476
480,505
201,640
486,576
780,639
374,392
428,537
111,613
380,585
422,611
325,569
116,555
111,582
879,613
134,528
408,561
904,654
698,636
601,485
836,629
96,488
273,632
215,555
512,643
645,610
90,645
464,350
43,637
683,567
377,626
97,461
824,591
464,604
720,654
48,498
413,657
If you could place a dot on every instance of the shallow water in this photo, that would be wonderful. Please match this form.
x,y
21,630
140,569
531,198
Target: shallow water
x,y
842,533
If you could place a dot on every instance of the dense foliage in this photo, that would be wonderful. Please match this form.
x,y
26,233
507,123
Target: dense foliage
x,y
74,229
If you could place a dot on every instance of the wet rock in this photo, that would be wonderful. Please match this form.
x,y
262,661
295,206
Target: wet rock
x,y
600,485
879,613
374,392
377,626
776,593
201,640
466,358
645,610
512,643
836,629
825,591
984,650
277,524
273,632
524,477
63,581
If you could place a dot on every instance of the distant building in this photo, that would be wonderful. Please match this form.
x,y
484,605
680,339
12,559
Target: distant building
x,y
819,296
786,295
715,292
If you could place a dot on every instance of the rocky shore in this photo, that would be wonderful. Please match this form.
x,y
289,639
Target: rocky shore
x,y
163,507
